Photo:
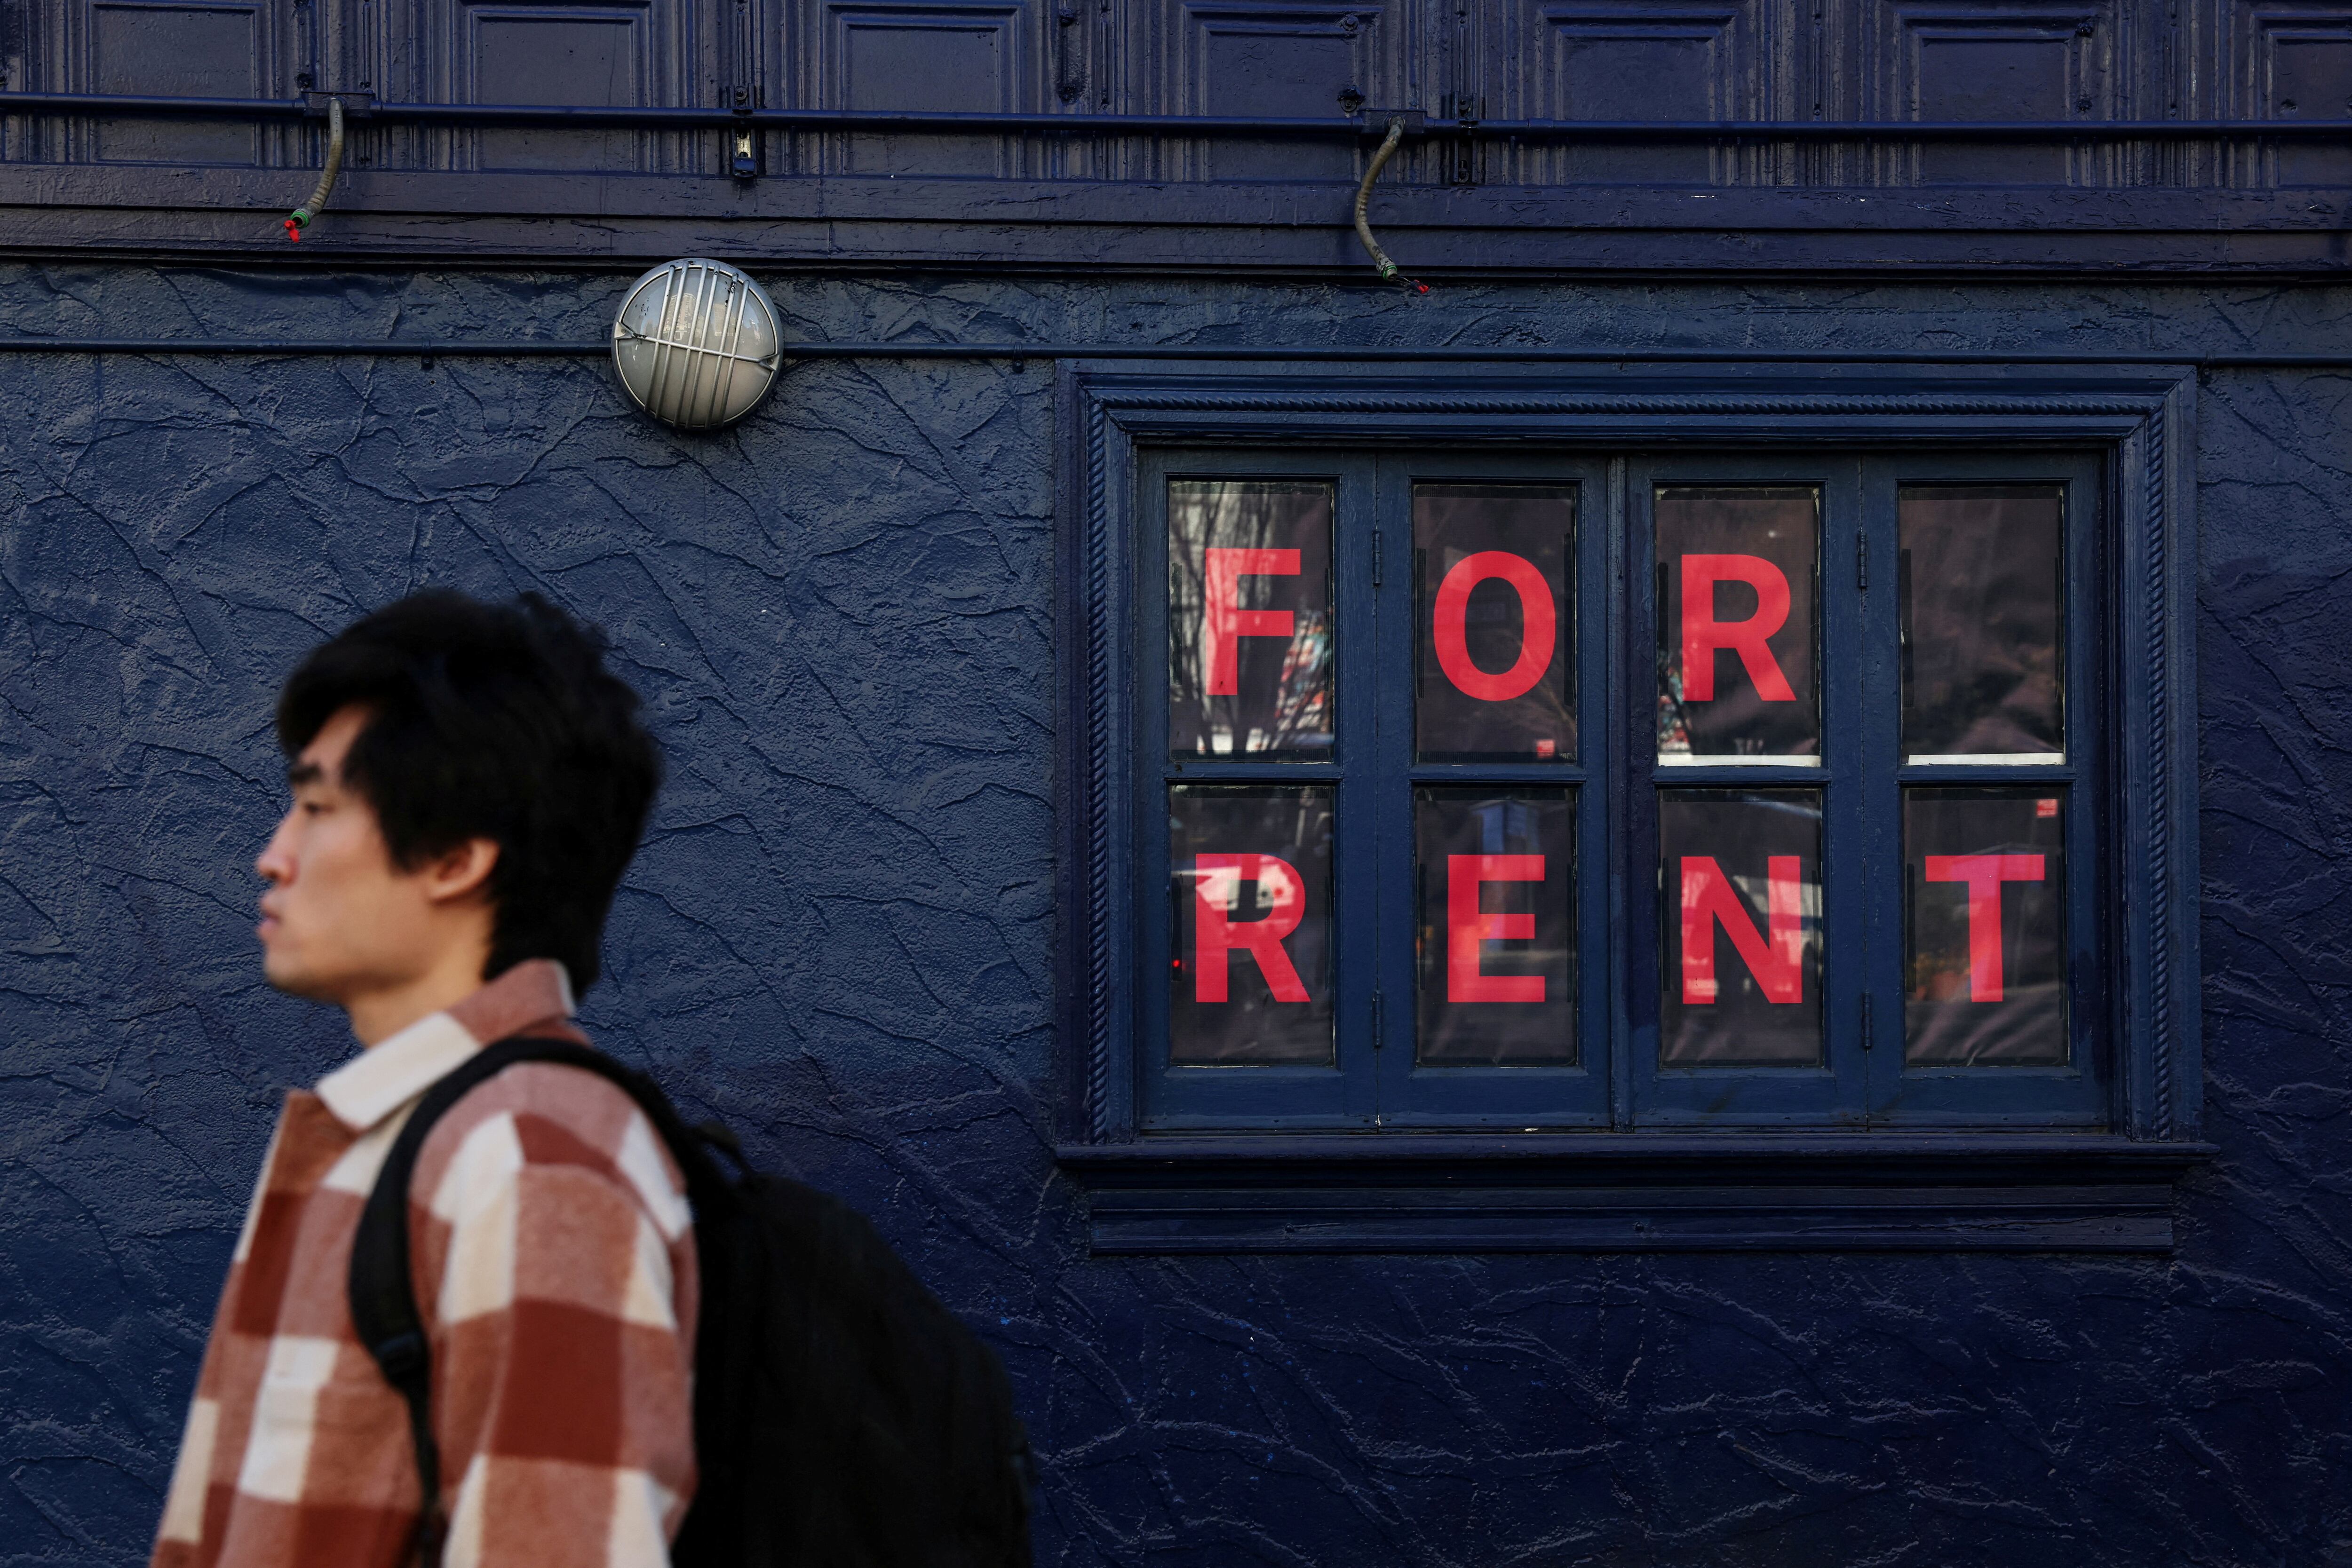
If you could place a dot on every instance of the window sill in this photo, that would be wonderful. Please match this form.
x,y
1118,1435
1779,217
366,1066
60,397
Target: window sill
x,y
1632,1193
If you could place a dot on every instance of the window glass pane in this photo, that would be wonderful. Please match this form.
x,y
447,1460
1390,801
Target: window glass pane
x,y
1496,633
1985,930
1498,935
1249,618
1979,583
1739,886
1736,637
1250,879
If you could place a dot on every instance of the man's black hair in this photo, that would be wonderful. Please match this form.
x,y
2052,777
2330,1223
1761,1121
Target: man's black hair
x,y
500,722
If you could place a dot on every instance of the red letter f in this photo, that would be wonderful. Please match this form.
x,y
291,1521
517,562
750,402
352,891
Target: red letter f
x,y
1227,622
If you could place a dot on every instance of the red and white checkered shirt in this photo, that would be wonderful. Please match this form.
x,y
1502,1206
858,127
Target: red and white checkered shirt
x,y
553,1259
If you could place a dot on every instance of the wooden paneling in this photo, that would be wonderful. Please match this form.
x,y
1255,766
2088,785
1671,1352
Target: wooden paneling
x,y
1632,60
1269,57
1994,61
589,53
932,56
1871,61
947,57
1285,60
180,48
567,55
183,50
2291,61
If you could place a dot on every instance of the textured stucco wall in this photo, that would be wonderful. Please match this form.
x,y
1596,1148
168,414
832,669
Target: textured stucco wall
x,y
839,931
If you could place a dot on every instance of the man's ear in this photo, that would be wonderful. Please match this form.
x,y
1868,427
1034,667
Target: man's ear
x,y
461,872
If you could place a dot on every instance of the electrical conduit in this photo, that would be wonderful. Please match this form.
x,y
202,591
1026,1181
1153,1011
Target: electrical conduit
x,y
299,218
1389,272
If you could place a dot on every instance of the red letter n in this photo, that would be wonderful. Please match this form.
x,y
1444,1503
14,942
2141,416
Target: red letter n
x,y
1216,889
1226,622
1984,874
1703,634
1467,926
1709,900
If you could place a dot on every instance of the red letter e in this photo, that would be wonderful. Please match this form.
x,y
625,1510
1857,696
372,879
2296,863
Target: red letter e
x,y
1467,926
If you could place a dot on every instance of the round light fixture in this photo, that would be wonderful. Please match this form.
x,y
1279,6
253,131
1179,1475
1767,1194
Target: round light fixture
x,y
696,343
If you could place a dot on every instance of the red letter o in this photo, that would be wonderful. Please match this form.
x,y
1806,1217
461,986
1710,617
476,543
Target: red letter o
x,y
1536,639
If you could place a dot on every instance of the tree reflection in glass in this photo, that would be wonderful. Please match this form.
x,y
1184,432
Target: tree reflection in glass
x,y
1249,618
1736,566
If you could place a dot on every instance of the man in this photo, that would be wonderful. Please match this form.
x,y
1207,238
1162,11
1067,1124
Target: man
x,y
468,783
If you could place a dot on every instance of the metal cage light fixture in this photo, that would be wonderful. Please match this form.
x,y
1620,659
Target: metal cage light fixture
x,y
696,343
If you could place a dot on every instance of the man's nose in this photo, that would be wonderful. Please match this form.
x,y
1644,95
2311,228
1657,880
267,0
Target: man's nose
x,y
275,863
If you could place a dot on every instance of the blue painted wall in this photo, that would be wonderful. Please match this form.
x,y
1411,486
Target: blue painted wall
x,y
838,932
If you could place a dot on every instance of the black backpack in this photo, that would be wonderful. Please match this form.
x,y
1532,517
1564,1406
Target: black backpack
x,y
843,1416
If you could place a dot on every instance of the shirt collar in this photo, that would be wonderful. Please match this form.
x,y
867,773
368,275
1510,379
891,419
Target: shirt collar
x,y
395,1071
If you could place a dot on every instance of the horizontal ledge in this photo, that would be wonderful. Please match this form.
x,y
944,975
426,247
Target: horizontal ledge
x,y
1385,354
1620,1193
1581,1156
363,108
1313,212
2033,1221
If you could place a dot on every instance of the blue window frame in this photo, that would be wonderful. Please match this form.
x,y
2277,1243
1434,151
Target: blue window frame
x,y
1618,771
1395,929
1376,1074
1867,1070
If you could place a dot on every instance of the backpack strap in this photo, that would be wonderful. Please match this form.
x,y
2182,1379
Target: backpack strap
x,y
383,1295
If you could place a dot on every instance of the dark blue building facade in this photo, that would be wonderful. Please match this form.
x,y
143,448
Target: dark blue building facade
x,y
907,636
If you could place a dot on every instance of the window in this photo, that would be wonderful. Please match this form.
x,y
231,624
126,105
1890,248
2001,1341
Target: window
x,y
1389,795
1790,782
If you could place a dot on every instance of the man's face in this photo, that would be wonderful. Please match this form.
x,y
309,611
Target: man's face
x,y
339,920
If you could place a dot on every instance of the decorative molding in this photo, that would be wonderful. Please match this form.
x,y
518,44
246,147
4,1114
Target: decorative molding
x,y
1099,798
2262,42
1819,407
2093,49
392,211
1738,70
2159,911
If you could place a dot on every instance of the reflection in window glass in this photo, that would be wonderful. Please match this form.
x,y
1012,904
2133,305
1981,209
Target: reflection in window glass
x,y
1249,618
1496,634
1250,886
1496,936
1978,581
1735,573
1739,887
1985,928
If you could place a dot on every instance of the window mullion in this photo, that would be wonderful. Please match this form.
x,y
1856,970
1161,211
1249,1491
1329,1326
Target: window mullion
x,y
1878,885
1364,829
1610,673
1389,791
1847,821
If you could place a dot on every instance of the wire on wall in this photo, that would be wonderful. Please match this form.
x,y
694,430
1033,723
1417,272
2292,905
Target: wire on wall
x,y
299,218
1389,271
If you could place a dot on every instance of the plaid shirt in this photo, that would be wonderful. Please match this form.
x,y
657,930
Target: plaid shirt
x,y
553,1255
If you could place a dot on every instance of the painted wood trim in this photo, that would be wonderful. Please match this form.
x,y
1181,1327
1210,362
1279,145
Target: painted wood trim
x,y
1632,1193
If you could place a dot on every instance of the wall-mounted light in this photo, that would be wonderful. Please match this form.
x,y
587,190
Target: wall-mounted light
x,y
696,343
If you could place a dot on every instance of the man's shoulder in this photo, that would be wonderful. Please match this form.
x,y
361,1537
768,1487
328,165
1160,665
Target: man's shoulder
x,y
549,1115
